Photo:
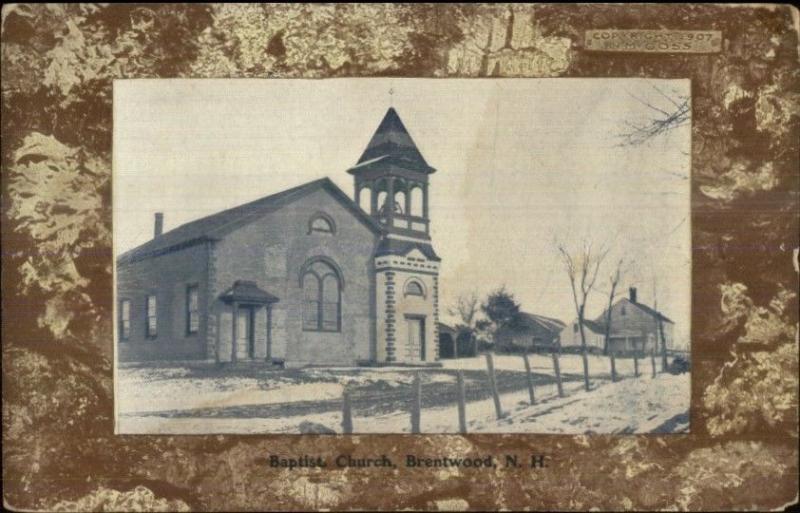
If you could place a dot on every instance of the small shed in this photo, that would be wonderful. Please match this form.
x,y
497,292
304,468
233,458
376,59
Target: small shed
x,y
447,341
531,332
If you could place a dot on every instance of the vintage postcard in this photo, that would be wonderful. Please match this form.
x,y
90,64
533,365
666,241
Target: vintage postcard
x,y
432,256
439,257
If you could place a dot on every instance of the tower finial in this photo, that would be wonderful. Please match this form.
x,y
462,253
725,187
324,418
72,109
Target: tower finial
x,y
391,96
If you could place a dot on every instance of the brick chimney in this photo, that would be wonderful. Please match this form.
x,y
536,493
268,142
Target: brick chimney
x,y
632,294
158,229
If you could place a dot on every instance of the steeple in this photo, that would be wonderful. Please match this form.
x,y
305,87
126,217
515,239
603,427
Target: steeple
x,y
392,141
391,179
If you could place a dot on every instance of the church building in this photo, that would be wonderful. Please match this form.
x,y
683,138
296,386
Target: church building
x,y
307,276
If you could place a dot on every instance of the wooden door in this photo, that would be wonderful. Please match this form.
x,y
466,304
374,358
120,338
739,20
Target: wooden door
x,y
245,342
416,335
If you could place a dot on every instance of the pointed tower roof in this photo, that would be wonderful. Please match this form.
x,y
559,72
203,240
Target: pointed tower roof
x,y
392,143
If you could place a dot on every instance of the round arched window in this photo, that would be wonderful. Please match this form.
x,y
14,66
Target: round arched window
x,y
414,288
321,223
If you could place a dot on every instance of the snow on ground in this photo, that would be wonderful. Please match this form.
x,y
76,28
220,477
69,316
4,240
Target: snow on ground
x,y
629,406
142,390
148,390
643,405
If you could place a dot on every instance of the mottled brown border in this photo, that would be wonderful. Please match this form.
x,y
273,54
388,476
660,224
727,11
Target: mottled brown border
x,y
59,450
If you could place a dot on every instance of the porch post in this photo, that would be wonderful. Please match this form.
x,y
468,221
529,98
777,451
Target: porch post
x,y
235,329
269,332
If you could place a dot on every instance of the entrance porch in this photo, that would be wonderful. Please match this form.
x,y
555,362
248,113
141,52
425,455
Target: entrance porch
x,y
245,323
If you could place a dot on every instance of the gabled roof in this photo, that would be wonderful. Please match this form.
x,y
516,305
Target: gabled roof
x,y
646,309
402,247
595,326
650,311
214,226
527,321
444,328
247,291
392,143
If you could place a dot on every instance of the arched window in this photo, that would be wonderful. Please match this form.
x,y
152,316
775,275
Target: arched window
x,y
414,288
365,199
322,296
382,201
321,223
416,202
399,202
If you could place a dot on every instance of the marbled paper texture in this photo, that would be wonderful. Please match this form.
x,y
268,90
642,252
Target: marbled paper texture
x,y
58,64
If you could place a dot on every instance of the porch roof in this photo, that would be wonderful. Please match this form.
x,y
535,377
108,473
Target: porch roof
x,y
246,291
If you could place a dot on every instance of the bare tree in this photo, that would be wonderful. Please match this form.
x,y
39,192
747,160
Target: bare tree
x,y
660,325
466,309
582,269
613,282
674,111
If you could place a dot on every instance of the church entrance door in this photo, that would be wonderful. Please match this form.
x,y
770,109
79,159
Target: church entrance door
x,y
416,335
244,331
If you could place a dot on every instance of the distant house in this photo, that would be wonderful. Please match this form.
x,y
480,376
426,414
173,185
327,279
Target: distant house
x,y
594,332
453,344
635,326
447,341
530,332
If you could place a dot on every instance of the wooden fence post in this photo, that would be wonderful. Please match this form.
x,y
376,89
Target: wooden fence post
x,y
347,413
653,361
493,384
529,377
636,363
586,385
557,370
613,366
462,403
416,404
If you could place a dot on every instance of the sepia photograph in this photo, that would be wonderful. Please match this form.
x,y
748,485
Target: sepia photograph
x,y
402,256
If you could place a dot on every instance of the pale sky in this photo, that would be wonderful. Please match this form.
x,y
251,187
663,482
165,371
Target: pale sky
x,y
519,162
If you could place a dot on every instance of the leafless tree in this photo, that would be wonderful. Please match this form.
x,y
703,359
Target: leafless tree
x,y
674,111
582,269
466,309
660,326
613,282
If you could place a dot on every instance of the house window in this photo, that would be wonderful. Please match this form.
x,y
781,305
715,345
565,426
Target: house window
x,y
414,288
152,325
321,223
322,297
623,310
192,309
125,319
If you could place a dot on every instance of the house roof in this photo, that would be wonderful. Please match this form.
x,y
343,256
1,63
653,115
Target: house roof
x,y
392,143
595,326
402,247
652,312
247,291
529,321
646,309
444,328
214,226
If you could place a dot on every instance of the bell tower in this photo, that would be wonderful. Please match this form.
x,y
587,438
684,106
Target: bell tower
x,y
391,185
391,180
